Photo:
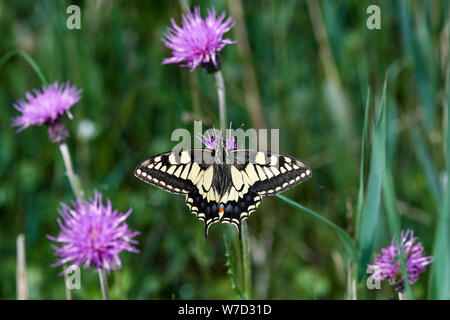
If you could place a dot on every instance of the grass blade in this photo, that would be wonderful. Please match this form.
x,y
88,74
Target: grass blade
x,y
15,52
440,275
344,236
369,219
361,167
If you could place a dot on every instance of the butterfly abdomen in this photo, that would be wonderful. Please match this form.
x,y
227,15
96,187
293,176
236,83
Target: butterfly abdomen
x,y
221,179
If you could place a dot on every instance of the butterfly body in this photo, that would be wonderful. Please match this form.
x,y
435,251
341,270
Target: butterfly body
x,y
223,185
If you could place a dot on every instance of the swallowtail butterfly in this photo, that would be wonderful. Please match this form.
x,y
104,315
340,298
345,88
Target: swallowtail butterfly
x,y
223,185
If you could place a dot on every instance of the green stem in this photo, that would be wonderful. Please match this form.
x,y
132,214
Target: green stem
x,y
221,94
68,290
345,238
77,190
21,276
220,85
246,260
28,58
73,178
351,281
103,283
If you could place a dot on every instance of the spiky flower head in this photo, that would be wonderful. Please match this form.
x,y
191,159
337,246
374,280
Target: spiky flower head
x,y
93,234
198,41
230,141
387,264
211,140
47,106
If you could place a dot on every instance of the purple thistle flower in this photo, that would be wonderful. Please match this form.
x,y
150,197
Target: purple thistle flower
x,y
46,107
94,234
198,41
230,142
210,141
387,264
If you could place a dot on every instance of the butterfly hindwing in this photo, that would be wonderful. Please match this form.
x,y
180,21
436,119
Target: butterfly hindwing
x,y
222,201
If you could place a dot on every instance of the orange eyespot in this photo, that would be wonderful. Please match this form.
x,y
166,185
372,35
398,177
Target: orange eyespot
x,y
221,208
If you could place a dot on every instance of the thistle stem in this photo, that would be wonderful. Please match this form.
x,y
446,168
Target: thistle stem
x,y
220,85
221,94
68,290
103,283
21,276
73,179
351,281
77,190
246,260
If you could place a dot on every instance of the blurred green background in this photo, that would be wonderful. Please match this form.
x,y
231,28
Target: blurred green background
x,y
302,66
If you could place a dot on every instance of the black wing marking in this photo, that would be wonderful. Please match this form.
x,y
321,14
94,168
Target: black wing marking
x,y
237,211
175,171
236,206
269,173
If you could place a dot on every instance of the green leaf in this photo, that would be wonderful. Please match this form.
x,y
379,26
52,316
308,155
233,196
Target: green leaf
x,y
361,167
440,268
369,219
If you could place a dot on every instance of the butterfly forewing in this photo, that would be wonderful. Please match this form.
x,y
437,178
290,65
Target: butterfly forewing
x,y
269,173
173,171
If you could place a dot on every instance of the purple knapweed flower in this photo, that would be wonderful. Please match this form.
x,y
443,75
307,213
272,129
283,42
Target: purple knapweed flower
x,y
47,107
198,41
210,140
230,141
387,264
93,234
